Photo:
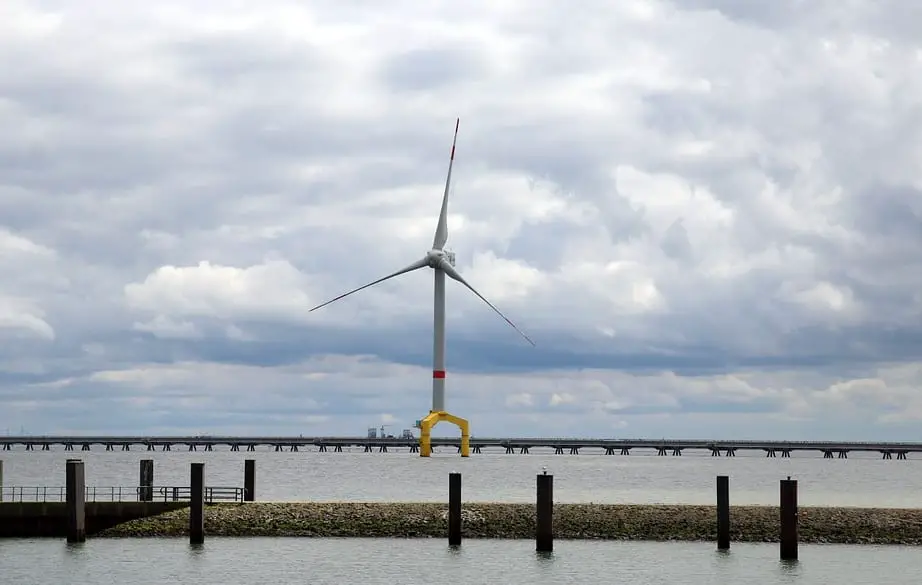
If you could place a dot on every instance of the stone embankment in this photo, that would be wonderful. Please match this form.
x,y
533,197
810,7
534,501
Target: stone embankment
x,y
571,521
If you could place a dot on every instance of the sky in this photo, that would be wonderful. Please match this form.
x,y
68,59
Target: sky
x,y
706,214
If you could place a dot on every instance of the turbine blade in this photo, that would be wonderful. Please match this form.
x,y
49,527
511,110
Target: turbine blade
x,y
450,271
441,231
416,265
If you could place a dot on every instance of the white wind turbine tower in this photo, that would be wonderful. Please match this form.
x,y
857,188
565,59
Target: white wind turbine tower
x,y
442,262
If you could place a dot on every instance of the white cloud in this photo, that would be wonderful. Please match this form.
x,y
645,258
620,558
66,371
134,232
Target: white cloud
x,y
562,398
271,289
18,315
501,280
166,328
522,399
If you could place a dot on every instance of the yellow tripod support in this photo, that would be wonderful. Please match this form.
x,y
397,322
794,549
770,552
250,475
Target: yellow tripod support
x,y
434,418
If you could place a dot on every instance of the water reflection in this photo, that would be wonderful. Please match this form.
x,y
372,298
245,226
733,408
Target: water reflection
x,y
723,557
790,572
75,548
196,550
544,557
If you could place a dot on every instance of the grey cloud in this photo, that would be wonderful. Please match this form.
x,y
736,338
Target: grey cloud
x,y
430,69
543,245
675,242
892,19
892,212
771,15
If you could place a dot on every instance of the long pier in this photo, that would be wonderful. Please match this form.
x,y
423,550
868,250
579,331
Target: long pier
x,y
573,446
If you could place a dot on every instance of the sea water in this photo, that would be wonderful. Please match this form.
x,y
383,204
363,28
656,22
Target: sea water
x,y
861,480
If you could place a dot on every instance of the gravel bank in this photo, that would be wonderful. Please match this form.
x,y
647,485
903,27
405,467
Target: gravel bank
x,y
571,521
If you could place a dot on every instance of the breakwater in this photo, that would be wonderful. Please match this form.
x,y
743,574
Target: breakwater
x,y
517,521
49,519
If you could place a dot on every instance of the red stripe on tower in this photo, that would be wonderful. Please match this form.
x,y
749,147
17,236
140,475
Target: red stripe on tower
x,y
439,374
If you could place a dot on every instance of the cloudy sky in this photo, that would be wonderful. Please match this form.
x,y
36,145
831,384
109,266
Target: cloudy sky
x,y
706,213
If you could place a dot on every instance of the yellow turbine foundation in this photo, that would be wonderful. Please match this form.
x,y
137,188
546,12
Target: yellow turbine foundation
x,y
434,418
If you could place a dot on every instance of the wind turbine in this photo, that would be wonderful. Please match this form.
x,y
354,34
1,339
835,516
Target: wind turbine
x,y
442,262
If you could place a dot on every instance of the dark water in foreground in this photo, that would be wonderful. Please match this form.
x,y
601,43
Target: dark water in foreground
x,y
416,562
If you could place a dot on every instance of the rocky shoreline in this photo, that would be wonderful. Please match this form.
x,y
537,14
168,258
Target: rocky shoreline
x,y
517,521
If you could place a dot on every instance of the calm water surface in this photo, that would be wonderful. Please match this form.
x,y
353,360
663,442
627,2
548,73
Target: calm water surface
x,y
861,480
229,561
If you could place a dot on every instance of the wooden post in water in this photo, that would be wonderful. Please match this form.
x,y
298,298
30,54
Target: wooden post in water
x,y
723,512
75,482
146,481
789,519
1,480
544,526
454,509
197,508
249,480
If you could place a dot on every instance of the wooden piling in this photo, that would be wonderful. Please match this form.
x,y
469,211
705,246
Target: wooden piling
x,y
454,509
197,507
544,525
1,480
75,485
723,512
789,519
249,480
146,481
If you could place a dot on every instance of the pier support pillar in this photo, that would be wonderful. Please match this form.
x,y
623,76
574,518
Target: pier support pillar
x,y
75,483
249,480
723,512
789,519
544,526
146,481
197,508
454,509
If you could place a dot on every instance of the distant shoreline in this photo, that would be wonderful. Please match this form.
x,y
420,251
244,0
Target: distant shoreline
x,y
517,521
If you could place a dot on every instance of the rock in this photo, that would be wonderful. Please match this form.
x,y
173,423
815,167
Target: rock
x,y
571,521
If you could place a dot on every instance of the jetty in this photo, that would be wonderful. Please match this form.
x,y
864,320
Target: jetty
x,y
508,445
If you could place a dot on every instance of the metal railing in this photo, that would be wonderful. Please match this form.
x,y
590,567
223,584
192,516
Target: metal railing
x,y
120,493
212,493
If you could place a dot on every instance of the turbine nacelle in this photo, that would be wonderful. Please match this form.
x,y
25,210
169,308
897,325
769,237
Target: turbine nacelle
x,y
436,257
